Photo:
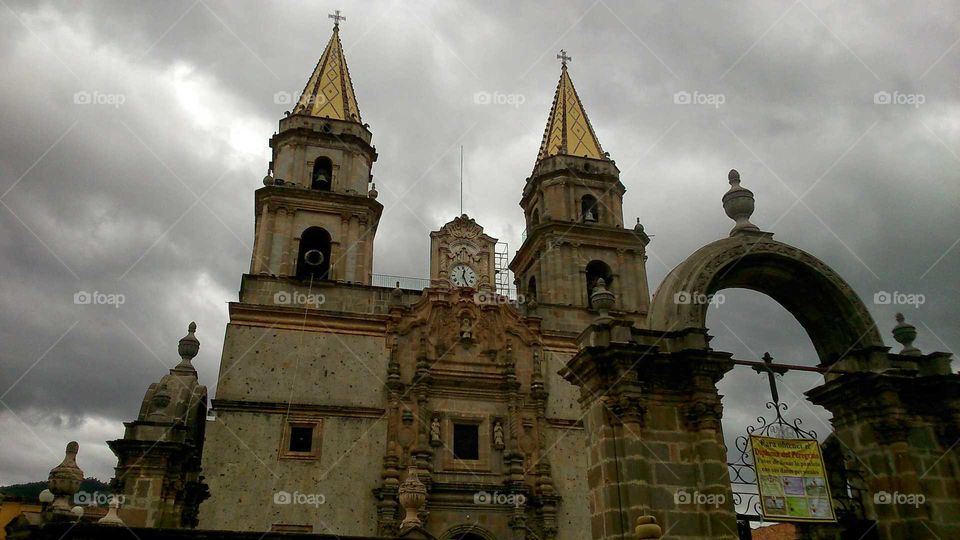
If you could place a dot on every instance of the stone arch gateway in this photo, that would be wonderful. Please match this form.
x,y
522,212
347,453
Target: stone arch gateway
x,y
829,310
653,414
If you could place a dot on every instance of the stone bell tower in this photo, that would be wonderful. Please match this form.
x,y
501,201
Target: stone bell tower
x,y
575,233
317,215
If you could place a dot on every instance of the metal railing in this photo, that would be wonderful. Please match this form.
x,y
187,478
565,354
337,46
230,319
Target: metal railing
x,y
409,283
419,284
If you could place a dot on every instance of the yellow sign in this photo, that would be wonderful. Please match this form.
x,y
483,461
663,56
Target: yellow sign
x,y
792,479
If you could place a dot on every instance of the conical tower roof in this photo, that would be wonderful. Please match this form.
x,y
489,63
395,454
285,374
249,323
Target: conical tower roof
x,y
568,129
329,91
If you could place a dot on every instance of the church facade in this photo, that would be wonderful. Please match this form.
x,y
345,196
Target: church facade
x,y
580,406
333,387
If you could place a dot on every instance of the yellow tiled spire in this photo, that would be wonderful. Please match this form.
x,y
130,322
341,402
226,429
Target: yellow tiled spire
x,y
568,129
329,92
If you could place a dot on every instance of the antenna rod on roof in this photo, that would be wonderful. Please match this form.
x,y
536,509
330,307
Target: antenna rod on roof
x,y
461,179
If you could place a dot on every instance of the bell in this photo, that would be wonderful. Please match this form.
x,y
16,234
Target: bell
x,y
314,257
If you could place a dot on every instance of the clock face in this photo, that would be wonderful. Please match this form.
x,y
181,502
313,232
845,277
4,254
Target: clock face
x,y
462,275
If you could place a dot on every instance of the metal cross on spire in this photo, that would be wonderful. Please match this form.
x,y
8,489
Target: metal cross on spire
x,y
563,57
336,18
772,371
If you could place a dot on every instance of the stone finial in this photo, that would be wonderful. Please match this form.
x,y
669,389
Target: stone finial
x,y
396,295
640,233
905,333
738,203
647,528
268,180
601,299
413,498
373,193
112,518
65,479
188,348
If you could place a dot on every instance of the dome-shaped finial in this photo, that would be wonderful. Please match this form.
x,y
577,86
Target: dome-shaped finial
x,y
905,333
373,191
640,232
64,480
188,348
738,203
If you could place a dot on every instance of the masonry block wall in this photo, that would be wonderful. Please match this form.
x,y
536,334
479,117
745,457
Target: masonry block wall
x,y
902,425
653,423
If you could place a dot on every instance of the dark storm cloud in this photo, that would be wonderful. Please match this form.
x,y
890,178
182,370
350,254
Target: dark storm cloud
x,y
152,198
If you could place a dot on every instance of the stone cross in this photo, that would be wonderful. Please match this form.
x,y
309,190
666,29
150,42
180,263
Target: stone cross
x,y
336,18
563,57
771,370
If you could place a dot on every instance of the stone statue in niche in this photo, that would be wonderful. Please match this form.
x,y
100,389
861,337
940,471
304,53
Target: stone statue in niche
x,y
466,329
498,435
435,431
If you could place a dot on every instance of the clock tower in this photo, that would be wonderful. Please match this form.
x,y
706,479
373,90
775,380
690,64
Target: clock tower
x,y
462,255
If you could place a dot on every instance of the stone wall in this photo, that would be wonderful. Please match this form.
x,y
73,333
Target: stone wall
x,y
245,474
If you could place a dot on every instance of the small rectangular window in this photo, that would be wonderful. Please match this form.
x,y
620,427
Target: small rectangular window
x,y
301,439
466,444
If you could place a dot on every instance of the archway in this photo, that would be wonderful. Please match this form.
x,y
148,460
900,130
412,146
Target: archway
x,y
467,531
831,313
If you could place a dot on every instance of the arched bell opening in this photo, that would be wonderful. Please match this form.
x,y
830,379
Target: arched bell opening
x,y
322,177
595,271
313,257
589,209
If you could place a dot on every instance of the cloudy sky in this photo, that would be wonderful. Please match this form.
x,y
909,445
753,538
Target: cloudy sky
x,y
146,191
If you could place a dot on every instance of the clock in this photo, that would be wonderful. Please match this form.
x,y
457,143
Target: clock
x,y
462,275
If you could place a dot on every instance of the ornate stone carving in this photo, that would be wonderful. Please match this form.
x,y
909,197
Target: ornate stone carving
x,y
704,414
413,499
435,436
498,440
